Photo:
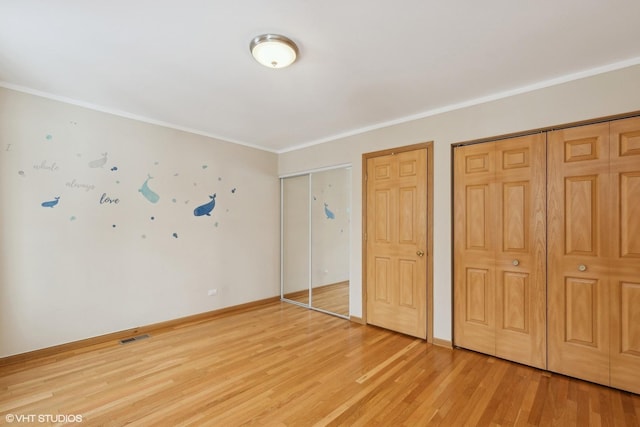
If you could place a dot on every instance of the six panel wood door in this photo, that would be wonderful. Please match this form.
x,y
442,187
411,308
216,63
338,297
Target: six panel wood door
x,y
500,248
396,240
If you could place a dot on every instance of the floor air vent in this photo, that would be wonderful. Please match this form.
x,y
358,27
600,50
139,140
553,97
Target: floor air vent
x,y
133,339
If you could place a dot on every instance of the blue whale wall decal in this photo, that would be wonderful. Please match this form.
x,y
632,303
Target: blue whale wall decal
x,y
149,194
206,208
51,203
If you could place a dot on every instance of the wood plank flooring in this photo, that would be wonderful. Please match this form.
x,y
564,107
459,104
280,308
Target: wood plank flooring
x,y
283,365
333,297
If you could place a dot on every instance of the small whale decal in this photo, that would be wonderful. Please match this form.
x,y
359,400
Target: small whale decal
x,y
206,208
99,162
328,213
51,203
148,194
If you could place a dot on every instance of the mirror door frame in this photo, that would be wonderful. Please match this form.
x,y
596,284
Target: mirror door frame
x,y
309,304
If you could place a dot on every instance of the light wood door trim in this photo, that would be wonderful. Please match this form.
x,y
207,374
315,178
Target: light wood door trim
x,y
429,237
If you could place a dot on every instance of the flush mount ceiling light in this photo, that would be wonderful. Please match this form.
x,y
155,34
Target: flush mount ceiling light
x,y
273,50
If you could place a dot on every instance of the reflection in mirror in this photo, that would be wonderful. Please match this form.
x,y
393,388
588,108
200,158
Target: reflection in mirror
x,y
295,239
316,224
330,225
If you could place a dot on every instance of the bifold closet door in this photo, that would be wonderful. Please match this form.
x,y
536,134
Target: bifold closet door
x,y
625,264
594,253
580,209
500,248
475,247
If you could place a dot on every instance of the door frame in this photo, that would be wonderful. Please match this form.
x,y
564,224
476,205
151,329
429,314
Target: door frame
x,y
365,157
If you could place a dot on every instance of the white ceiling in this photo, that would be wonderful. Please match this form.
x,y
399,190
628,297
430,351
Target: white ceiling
x,y
363,63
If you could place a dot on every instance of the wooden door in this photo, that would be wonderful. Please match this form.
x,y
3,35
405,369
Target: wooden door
x,y
500,248
396,241
579,247
625,261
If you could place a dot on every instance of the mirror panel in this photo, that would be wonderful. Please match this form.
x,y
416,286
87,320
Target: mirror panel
x,y
316,221
295,239
330,225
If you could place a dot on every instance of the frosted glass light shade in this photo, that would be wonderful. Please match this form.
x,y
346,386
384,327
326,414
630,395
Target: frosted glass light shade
x,y
273,50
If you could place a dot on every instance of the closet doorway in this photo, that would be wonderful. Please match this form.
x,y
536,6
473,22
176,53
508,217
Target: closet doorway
x,y
315,239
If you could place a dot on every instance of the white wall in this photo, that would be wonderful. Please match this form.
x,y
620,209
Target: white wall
x,y
66,273
83,268
606,94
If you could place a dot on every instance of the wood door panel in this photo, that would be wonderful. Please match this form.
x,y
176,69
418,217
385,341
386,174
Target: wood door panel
x,y
383,214
581,204
477,216
581,312
579,221
625,333
382,278
475,326
515,158
407,280
515,214
478,163
397,226
479,298
521,256
624,261
407,168
629,306
515,310
474,247
629,142
629,228
408,226
582,149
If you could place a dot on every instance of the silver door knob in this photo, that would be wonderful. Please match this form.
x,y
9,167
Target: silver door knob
x,y
420,253
582,267
515,262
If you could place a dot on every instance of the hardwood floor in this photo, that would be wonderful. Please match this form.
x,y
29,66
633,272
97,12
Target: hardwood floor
x,y
333,297
281,364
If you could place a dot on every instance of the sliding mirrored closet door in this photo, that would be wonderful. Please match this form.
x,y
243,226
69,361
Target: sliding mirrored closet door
x,y
316,220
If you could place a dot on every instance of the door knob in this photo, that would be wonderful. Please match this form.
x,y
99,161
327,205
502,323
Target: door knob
x,y
515,262
420,253
582,267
